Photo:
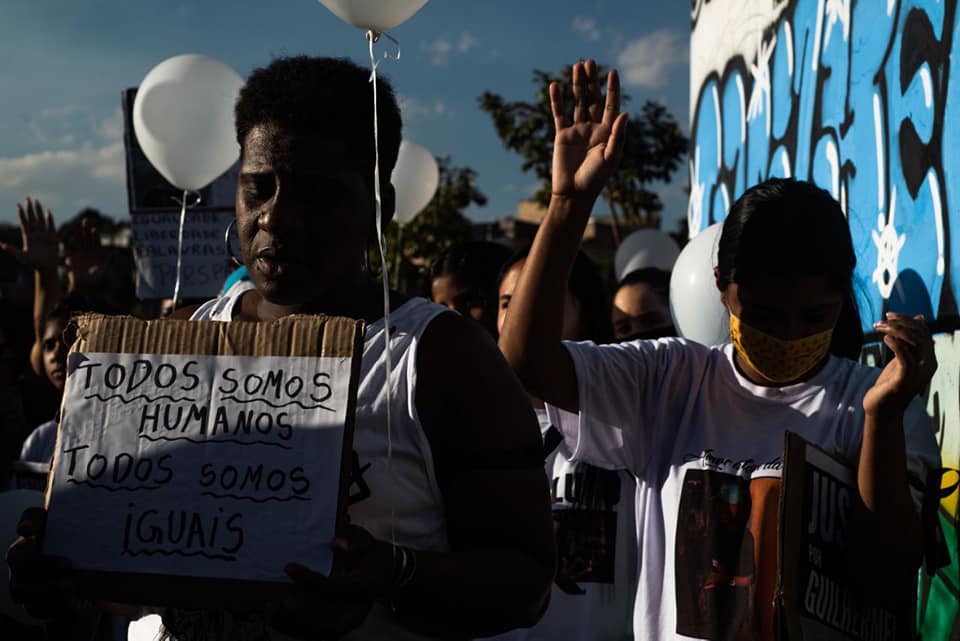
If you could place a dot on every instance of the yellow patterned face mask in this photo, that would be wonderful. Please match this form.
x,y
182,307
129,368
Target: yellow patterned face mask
x,y
777,360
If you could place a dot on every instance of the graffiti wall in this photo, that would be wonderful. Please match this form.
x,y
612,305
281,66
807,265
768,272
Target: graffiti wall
x,y
858,96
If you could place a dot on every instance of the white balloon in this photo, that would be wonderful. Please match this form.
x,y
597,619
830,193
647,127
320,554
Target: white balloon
x,y
695,303
12,505
645,248
147,628
415,178
376,15
183,119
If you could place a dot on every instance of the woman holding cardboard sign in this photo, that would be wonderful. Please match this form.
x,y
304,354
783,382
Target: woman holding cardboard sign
x,y
702,428
464,494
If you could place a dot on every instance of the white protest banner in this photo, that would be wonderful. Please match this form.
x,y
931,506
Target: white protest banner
x,y
206,263
220,466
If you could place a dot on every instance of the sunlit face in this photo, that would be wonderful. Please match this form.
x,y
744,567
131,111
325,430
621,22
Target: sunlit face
x,y
304,212
571,309
55,353
637,308
787,308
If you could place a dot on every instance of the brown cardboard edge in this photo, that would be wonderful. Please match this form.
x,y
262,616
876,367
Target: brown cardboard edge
x,y
128,334
790,522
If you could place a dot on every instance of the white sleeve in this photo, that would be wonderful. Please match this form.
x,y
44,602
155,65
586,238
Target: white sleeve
x,y
624,391
923,454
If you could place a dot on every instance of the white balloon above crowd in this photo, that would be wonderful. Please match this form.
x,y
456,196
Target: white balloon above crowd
x,y
183,119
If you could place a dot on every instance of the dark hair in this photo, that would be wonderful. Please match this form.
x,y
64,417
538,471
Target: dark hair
x,y
588,288
331,96
475,266
73,304
658,280
786,226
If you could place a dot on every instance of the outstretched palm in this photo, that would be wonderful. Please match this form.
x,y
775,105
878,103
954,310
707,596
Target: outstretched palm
x,y
38,236
588,149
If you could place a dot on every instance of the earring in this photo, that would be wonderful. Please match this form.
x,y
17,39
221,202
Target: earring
x,y
226,241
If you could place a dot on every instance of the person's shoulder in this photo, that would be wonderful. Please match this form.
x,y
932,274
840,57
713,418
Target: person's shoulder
x,y
448,331
186,313
850,375
670,351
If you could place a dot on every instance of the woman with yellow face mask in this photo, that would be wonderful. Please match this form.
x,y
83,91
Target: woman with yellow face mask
x,y
702,428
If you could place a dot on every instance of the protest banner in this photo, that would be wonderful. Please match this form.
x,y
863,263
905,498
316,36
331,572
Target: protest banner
x,y
194,460
205,263
821,595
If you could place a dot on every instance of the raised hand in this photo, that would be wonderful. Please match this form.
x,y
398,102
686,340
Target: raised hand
x,y
40,247
587,150
84,257
911,369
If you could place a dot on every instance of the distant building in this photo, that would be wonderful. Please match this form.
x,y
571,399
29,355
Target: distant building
x,y
519,230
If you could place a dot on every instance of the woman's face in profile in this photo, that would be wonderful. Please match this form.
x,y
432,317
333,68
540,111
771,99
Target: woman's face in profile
x,y
303,214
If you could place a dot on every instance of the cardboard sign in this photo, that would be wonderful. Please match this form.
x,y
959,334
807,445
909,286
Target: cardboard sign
x,y
820,597
199,456
205,263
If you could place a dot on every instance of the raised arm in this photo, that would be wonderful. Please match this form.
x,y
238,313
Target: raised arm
x,y
39,251
586,151
889,515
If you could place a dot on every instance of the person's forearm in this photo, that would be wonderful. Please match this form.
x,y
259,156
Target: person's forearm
x,y
530,339
888,515
46,294
474,594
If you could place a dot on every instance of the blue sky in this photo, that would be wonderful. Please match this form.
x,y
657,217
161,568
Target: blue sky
x,y
65,63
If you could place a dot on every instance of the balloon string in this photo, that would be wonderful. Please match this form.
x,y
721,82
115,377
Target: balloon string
x,y
183,217
372,37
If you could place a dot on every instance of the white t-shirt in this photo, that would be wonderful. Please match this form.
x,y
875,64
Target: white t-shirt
x,y
592,596
705,444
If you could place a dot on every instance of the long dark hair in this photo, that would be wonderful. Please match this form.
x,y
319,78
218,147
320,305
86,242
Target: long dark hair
x,y
786,226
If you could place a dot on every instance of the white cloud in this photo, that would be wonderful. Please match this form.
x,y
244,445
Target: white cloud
x,y
645,61
466,42
67,178
414,109
441,49
112,127
69,175
587,28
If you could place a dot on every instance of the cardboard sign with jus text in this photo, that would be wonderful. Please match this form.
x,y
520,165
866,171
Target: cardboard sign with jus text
x,y
822,596
199,458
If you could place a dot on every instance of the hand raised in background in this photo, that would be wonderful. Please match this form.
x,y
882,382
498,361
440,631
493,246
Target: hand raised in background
x,y
84,257
39,244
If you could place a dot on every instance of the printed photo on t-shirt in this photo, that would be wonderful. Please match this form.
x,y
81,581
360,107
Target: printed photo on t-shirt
x,y
714,556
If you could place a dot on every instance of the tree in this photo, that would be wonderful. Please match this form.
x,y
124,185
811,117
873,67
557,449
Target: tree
x,y
654,148
441,225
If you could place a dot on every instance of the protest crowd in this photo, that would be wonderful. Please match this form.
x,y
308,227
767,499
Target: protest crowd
x,y
561,464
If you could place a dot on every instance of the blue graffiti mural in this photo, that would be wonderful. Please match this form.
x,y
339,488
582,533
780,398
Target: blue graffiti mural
x,y
855,96
859,97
